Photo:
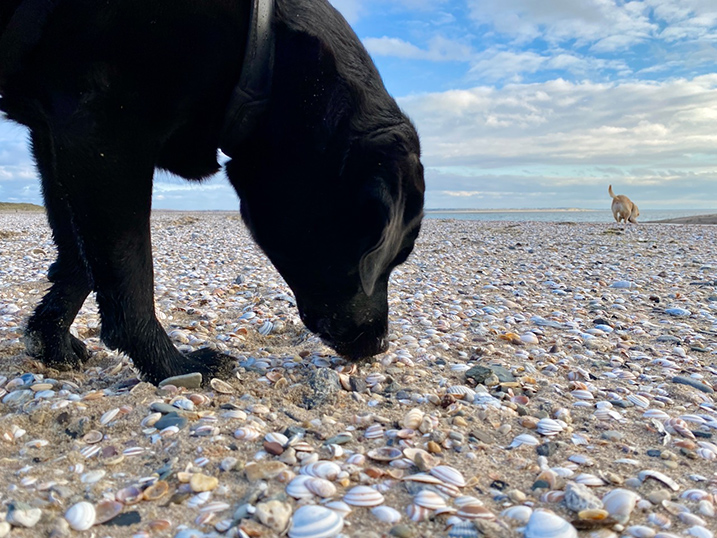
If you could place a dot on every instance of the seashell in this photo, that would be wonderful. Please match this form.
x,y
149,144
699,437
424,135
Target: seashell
x,y
462,392
92,477
659,520
640,531
578,497
375,431
582,394
81,516
695,494
423,478
222,387
386,514
297,487
620,503
657,414
386,453
474,511
545,524
129,495
549,427
462,529
363,496
674,508
588,479
312,521
156,491
341,507
417,513
320,487
92,437
524,439
449,475
593,514
699,532
529,338
638,400
106,510
429,499
274,437
150,420
660,477
678,426
412,419
133,451
214,507
199,499
706,508
322,469
247,433
520,513
109,416
691,519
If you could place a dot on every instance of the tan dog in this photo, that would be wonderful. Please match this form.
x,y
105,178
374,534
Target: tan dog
x,y
623,209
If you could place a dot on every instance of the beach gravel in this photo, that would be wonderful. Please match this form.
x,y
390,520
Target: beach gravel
x,y
542,378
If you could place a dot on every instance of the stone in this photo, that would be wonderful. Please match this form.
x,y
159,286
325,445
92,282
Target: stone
x,y
274,514
323,385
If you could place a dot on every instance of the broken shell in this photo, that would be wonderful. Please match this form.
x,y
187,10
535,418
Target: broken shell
x,y
220,386
412,419
363,496
417,513
660,477
81,516
312,521
92,437
156,491
578,497
545,524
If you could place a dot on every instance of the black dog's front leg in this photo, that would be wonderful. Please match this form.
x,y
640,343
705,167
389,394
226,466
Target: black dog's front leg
x,y
107,188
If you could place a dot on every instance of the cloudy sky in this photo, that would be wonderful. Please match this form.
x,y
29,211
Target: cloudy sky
x,y
524,103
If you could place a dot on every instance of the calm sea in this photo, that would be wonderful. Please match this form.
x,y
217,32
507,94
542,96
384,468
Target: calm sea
x,y
564,215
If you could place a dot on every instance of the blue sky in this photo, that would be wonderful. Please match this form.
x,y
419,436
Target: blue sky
x,y
524,103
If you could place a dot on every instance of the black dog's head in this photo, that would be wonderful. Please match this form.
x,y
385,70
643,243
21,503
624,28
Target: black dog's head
x,y
336,235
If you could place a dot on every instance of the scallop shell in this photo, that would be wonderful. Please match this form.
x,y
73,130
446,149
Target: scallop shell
x,y
657,414
582,394
81,516
524,439
679,426
275,437
429,499
386,514
549,427
312,521
449,475
340,507
638,400
620,503
474,511
247,434
412,419
461,391
363,496
385,453
545,524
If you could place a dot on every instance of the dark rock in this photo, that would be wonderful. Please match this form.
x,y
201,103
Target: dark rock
x,y
693,383
125,519
171,419
324,385
547,449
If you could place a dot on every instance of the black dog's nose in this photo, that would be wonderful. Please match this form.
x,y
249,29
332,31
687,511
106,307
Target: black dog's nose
x,y
362,342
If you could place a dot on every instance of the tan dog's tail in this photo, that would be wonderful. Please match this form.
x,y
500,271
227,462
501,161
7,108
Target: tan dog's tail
x,y
612,194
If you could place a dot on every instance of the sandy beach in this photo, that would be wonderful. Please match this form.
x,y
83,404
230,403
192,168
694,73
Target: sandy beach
x,y
543,379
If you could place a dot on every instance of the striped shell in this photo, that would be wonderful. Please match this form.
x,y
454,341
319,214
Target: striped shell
x,y
363,496
412,419
545,524
312,521
449,475
429,499
386,514
81,516
321,469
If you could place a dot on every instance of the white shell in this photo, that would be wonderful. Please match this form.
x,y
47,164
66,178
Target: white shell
x,y
449,475
109,416
298,489
386,514
320,487
548,426
524,439
474,511
699,532
638,400
640,531
275,437
312,521
658,414
620,503
417,513
429,499
520,513
321,469
582,394
363,496
247,433
412,419
341,507
545,524
81,516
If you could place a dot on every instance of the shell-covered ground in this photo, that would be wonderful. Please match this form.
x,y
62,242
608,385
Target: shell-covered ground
x,y
551,380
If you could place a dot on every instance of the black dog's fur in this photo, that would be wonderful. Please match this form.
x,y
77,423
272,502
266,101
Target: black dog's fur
x,y
330,181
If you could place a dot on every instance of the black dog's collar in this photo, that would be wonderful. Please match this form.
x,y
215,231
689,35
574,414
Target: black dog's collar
x,y
22,33
250,98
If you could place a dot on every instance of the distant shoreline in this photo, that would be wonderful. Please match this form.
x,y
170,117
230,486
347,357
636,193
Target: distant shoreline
x,y
697,219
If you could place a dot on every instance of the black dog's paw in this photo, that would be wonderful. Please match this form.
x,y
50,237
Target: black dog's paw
x,y
210,363
69,354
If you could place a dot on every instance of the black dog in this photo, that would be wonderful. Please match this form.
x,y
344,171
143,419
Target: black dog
x,y
325,164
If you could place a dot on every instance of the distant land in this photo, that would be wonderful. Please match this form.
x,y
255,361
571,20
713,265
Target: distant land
x,y
10,206
512,210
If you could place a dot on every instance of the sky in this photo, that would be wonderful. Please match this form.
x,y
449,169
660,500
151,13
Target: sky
x,y
522,103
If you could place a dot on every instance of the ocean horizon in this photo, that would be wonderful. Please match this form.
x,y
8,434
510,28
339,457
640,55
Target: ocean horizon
x,y
559,214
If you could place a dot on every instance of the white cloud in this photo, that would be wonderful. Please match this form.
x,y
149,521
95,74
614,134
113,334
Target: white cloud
x,y
439,49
